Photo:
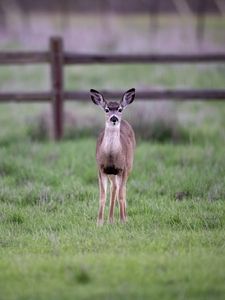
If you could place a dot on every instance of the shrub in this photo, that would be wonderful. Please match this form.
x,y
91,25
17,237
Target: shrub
x,y
151,121
157,121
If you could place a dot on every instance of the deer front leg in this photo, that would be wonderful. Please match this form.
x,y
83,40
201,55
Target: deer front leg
x,y
122,197
102,197
113,195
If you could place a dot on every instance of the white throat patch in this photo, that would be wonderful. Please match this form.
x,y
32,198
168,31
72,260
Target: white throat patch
x,y
111,139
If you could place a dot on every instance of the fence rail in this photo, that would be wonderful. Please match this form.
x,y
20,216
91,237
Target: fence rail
x,y
25,97
156,94
21,58
34,57
71,58
57,58
151,94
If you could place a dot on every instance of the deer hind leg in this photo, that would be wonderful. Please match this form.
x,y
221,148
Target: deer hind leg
x,y
102,197
122,197
113,196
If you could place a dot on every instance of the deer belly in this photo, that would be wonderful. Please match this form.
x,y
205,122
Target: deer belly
x,y
112,165
111,170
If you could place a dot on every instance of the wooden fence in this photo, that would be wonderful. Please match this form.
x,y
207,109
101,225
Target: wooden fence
x,y
57,59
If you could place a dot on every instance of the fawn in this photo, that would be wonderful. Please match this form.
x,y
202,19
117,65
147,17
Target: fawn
x,y
114,153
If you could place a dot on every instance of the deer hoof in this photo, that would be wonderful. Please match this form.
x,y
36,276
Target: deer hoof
x,y
100,223
111,221
124,220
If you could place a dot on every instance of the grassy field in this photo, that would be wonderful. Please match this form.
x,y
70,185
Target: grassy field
x,y
172,246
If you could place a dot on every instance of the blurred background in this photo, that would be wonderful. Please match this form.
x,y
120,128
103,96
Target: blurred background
x,y
114,26
173,245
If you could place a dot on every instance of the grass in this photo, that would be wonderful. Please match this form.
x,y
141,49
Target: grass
x,y
51,248
172,246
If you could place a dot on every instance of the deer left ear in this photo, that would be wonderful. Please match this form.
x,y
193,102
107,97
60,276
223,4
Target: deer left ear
x,y
97,98
128,97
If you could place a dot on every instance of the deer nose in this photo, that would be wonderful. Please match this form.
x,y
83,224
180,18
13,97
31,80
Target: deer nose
x,y
114,119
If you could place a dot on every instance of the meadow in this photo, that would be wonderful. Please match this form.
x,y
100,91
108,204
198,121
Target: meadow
x,y
172,246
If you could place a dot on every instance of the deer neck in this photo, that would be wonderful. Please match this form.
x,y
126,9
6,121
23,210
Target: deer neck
x,y
111,140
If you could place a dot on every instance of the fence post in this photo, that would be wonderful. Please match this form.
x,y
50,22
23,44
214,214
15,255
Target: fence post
x,y
56,59
201,15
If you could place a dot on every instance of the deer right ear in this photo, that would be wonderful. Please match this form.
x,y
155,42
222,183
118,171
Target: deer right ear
x,y
97,98
128,97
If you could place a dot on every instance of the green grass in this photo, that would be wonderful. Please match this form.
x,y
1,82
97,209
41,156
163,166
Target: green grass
x,y
172,246
169,248
204,76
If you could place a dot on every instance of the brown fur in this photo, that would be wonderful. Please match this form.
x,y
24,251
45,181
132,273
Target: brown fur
x,y
114,153
122,161
116,165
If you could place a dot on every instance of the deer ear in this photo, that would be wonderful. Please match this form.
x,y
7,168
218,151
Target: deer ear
x,y
97,98
128,97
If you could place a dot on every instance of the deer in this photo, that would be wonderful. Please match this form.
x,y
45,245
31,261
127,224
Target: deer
x,y
114,154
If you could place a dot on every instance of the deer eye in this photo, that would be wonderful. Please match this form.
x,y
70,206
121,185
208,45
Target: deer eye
x,y
120,109
106,110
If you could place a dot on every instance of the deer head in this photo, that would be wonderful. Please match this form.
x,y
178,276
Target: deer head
x,y
113,110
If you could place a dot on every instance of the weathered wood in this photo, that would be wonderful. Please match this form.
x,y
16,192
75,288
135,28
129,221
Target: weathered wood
x,y
155,94
57,59
71,58
182,7
56,49
200,25
221,6
25,97
21,58
153,11
7,58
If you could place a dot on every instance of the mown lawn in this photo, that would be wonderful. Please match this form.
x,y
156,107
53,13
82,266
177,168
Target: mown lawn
x,y
172,246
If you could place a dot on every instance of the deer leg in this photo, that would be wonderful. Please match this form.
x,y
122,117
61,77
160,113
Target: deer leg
x,y
102,197
122,197
113,195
